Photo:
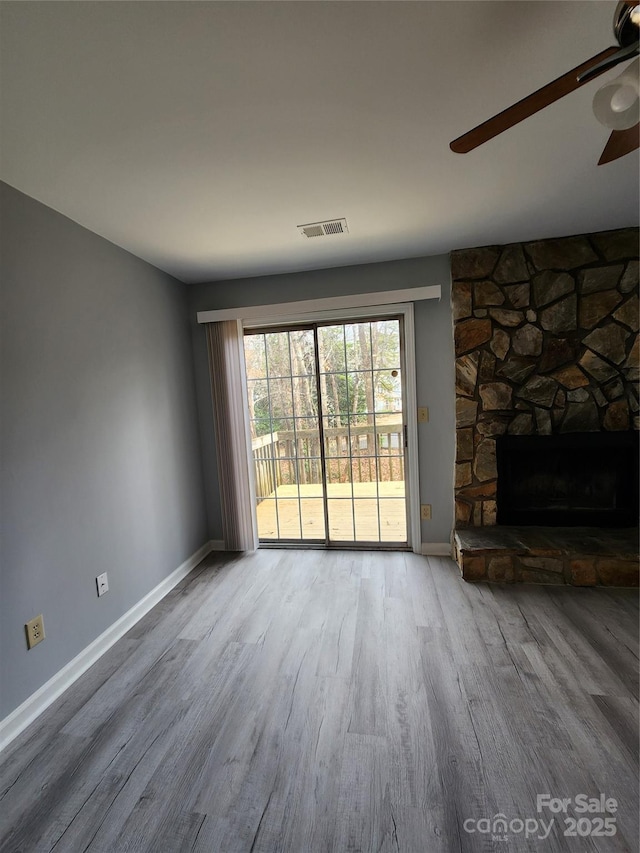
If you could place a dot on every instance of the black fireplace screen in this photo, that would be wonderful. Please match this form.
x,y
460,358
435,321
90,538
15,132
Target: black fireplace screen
x,y
570,480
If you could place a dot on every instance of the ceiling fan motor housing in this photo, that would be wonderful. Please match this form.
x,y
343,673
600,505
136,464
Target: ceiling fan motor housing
x,y
625,23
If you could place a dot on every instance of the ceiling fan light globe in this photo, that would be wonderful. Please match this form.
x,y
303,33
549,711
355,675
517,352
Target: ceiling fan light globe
x,y
623,99
616,105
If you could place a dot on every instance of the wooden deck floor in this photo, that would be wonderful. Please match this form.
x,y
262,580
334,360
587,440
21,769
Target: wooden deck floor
x,y
308,701
372,512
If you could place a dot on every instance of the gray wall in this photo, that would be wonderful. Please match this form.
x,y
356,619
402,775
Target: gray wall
x,y
100,467
434,362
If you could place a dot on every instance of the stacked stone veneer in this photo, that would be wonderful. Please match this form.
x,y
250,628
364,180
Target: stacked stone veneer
x,y
546,341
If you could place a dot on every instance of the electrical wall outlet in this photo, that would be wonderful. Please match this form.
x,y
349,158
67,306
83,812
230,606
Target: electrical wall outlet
x,y
102,583
423,415
35,631
425,512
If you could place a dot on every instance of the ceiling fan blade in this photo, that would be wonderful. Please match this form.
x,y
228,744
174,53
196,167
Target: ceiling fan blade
x,y
528,106
619,56
620,142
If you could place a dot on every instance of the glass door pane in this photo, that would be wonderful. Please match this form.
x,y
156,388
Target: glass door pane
x,y
363,426
285,435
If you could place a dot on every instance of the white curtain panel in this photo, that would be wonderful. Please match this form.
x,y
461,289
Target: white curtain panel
x,y
235,466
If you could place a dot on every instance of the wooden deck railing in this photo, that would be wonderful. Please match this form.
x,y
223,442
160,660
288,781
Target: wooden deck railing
x,y
275,455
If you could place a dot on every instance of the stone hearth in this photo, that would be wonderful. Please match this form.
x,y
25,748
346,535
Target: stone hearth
x,y
546,342
582,556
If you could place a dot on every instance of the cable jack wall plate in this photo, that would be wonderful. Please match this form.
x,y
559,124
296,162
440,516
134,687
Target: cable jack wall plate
x,y
102,584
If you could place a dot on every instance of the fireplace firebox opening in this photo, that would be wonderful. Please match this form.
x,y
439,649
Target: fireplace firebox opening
x,y
570,480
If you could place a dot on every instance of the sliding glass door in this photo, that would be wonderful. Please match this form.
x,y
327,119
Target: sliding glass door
x,y
328,438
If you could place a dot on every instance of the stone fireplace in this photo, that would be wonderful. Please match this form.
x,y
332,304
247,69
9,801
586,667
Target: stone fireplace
x,y
546,345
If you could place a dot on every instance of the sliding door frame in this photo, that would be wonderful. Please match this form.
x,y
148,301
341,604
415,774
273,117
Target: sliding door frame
x,y
371,312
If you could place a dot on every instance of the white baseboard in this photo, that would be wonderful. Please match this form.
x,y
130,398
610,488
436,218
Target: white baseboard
x,y
217,545
436,549
32,707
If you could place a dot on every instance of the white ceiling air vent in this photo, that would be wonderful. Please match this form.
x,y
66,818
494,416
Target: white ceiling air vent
x,y
329,228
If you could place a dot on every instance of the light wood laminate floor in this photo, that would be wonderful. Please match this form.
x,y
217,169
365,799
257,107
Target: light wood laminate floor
x,y
312,701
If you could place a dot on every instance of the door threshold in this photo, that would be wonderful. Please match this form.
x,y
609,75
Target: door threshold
x,y
337,546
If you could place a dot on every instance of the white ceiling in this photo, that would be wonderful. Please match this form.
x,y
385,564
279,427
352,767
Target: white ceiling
x,y
199,135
